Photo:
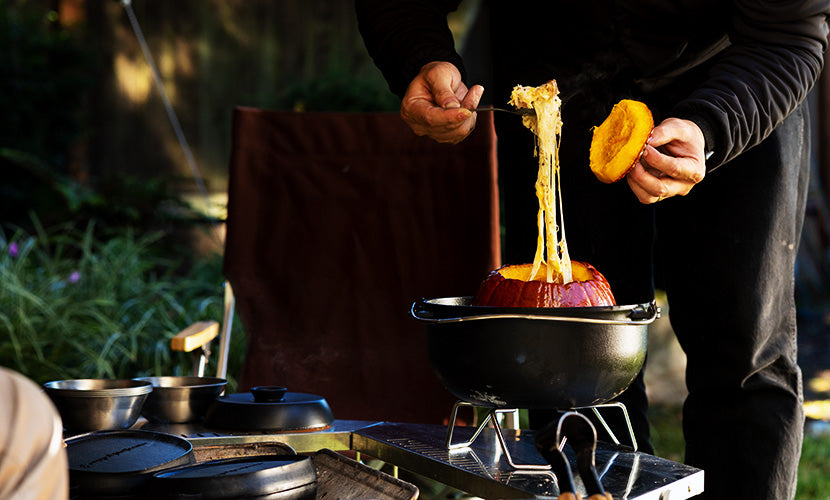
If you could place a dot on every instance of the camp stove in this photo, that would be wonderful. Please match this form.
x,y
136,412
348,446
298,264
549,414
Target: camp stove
x,y
485,466
494,417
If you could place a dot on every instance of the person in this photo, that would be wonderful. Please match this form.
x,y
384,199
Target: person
x,y
711,213
33,460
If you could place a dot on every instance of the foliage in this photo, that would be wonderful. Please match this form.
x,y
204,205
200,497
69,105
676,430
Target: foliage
x,y
339,91
73,306
667,431
43,187
42,80
814,468
116,204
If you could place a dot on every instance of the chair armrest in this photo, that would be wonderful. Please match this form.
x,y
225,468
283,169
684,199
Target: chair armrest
x,y
195,336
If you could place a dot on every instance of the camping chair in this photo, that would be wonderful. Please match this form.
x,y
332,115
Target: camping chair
x,y
336,223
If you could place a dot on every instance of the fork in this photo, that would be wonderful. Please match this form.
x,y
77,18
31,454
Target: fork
x,y
520,111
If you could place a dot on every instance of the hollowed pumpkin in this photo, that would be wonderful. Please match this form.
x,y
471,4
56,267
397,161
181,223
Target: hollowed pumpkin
x,y
553,279
511,286
620,140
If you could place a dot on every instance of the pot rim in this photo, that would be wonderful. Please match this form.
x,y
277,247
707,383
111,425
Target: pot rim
x,y
167,382
458,309
89,440
96,387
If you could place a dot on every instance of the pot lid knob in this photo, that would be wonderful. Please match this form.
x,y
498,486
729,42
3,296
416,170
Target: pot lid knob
x,y
268,393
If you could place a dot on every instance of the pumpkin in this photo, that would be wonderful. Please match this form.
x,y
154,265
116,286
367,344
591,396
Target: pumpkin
x,y
511,286
619,142
553,279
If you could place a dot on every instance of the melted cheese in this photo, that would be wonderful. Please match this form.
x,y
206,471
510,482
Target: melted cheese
x,y
551,262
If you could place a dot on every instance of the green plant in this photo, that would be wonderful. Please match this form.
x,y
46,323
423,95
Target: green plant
x,y
814,468
667,431
43,80
74,306
49,188
339,90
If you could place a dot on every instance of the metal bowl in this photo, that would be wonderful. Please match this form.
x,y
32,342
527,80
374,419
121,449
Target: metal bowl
x,y
98,404
181,399
548,358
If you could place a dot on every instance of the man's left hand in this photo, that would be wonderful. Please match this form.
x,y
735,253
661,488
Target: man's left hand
x,y
672,164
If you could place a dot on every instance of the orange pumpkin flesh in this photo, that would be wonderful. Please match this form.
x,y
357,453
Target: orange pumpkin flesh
x,y
620,140
509,286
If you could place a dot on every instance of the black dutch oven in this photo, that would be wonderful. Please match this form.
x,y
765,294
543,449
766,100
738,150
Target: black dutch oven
x,y
119,464
284,477
270,408
546,358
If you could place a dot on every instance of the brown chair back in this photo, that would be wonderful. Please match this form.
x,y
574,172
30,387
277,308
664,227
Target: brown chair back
x,y
337,222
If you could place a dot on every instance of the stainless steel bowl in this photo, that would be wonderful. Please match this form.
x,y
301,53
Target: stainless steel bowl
x,y
98,404
180,399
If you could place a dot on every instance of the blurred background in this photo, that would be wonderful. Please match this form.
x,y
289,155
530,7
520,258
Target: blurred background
x,y
114,147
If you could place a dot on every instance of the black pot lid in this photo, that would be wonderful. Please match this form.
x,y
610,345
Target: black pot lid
x,y
119,464
240,478
125,451
270,408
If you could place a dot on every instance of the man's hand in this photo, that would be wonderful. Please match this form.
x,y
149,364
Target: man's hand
x,y
437,103
673,162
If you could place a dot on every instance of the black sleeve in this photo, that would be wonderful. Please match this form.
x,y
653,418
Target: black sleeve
x,y
402,36
775,57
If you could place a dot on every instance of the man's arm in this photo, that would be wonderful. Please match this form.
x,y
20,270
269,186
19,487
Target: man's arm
x,y
775,57
404,35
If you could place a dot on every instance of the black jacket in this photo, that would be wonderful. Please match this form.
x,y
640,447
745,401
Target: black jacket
x,y
736,68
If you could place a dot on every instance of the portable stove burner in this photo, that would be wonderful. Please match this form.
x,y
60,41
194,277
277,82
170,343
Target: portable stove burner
x,y
493,416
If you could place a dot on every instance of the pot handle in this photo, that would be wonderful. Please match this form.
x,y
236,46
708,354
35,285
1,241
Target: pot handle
x,y
639,316
268,393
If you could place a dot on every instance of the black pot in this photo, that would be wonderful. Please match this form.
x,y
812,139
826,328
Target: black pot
x,y
545,358
269,408
287,477
120,464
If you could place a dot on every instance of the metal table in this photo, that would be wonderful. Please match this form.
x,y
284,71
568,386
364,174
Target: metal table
x,y
479,470
483,471
338,437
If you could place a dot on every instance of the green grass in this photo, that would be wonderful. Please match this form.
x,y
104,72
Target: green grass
x,y
74,304
814,468
667,432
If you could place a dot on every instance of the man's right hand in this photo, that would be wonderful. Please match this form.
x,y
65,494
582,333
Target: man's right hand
x,y
437,103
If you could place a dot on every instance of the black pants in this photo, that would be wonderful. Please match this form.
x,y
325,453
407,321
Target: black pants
x,y
725,256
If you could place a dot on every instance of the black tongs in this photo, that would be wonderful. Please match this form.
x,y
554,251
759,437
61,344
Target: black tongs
x,y
520,111
582,437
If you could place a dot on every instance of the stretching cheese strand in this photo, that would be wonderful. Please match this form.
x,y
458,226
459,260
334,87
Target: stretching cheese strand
x,y
546,124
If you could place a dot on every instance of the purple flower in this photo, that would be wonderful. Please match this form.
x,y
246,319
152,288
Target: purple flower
x,y
74,277
14,250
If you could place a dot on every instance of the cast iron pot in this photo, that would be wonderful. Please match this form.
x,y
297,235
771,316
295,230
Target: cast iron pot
x,y
288,477
545,358
269,408
120,464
